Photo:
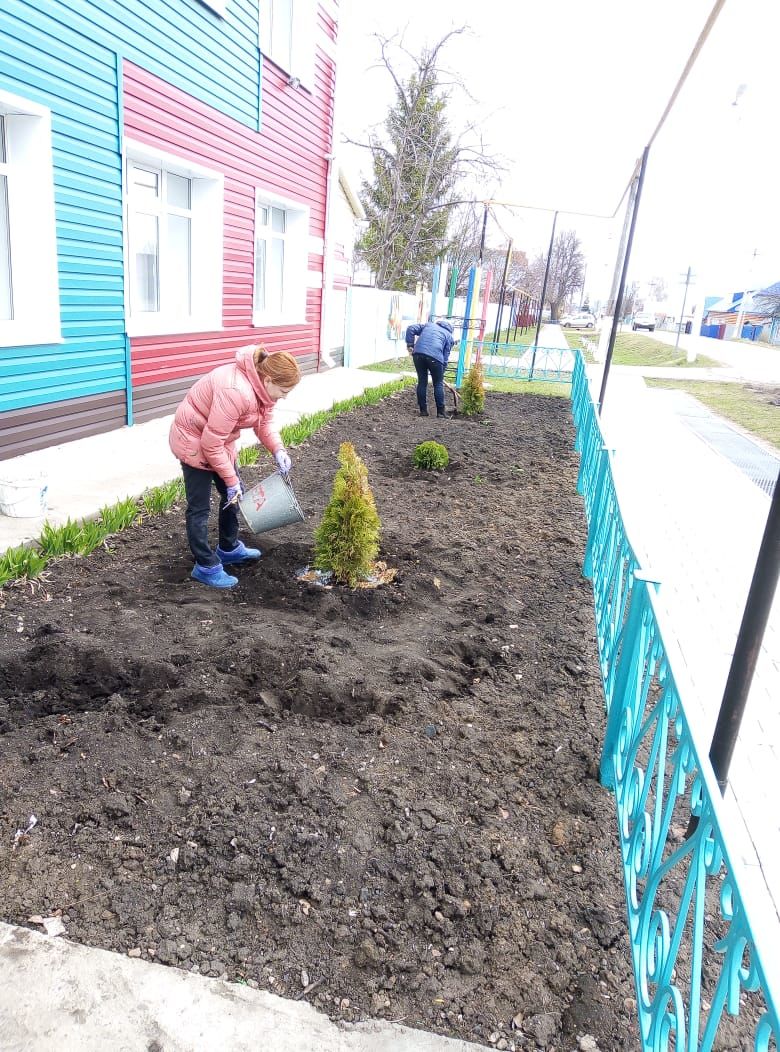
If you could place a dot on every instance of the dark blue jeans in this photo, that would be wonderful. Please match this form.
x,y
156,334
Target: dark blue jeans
x,y
197,486
424,365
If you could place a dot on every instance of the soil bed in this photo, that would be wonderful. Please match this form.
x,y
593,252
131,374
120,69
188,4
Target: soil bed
x,y
385,801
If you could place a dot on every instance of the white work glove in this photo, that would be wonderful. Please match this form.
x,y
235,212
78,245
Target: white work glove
x,y
283,462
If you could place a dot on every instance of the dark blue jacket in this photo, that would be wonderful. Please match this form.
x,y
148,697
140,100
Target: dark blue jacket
x,y
434,339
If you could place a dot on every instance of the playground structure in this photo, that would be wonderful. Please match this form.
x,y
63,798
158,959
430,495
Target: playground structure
x,y
507,354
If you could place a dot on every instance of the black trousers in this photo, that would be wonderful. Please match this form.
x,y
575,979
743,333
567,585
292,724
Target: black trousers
x,y
424,365
197,486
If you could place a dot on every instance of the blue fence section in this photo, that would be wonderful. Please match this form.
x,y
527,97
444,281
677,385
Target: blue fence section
x,y
700,980
513,361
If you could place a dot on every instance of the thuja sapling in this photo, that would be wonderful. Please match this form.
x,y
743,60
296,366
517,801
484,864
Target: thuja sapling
x,y
472,391
346,542
432,456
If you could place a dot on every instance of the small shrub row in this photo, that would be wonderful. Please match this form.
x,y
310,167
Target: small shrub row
x,y
83,537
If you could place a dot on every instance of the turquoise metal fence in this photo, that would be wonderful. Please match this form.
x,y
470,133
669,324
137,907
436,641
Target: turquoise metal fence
x,y
513,361
698,963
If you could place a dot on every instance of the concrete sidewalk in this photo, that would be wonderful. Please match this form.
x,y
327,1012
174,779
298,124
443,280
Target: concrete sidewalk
x,y
56,996
90,473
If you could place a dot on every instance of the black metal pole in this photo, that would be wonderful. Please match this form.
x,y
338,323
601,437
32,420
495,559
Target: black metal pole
x,y
751,633
544,283
499,313
621,287
544,292
503,291
482,240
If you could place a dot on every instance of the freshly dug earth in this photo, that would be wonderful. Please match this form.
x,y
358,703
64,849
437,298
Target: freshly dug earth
x,y
383,800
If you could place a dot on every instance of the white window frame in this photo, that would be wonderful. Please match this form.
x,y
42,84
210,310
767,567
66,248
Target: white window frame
x,y
296,260
298,60
207,196
32,230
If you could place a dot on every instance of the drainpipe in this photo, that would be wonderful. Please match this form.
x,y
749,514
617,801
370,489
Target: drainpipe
x,y
324,356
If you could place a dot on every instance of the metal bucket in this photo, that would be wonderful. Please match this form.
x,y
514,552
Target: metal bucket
x,y
270,504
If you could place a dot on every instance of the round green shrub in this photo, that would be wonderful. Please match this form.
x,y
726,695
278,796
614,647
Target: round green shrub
x,y
432,456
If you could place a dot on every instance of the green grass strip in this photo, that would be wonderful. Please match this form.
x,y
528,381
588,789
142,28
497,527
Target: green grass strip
x,y
81,538
750,407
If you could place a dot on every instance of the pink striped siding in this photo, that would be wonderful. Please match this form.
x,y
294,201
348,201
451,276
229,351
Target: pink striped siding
x,y
286,156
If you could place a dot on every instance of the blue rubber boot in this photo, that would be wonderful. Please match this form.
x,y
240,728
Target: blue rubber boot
x,y
239,554
213,576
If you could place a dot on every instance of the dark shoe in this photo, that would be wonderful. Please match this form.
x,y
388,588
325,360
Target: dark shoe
x,y
239,554
213,576
424,412
440,412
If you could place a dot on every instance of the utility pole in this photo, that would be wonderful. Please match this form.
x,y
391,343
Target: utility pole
x,y
745,294
613,292
688,278
484,229
544,290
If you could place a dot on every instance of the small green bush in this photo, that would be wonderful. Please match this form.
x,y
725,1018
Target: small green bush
x,y
432,456
472,391
346,542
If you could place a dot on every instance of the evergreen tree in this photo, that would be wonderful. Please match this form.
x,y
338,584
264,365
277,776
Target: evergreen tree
x,y
414,174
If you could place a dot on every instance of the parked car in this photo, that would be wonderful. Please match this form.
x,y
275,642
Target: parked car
x,y
580,320
643,319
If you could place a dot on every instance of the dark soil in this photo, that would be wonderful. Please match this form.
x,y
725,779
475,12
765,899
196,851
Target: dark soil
x,y
385,801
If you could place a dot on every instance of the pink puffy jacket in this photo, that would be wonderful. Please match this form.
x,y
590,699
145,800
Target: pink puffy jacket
x,y
214,411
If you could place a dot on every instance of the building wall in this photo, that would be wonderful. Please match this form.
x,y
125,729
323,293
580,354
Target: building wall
x,y
287,156
73,57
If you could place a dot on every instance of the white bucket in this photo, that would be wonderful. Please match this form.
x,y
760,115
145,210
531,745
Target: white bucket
x,y
24,498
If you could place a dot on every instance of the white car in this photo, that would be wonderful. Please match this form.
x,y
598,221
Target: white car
x,y
581,320
643,319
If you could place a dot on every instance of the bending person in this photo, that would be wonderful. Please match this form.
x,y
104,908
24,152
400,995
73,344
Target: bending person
x,y
430,354
203,437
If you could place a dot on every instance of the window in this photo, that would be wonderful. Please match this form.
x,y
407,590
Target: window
x,y
29,293
287,36
281,247
174,244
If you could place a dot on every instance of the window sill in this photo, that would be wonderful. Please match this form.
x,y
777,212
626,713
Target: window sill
x,y
171,326
14,335
260,321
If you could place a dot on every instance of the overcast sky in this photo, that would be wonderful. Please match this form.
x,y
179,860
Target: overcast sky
x,y
568,93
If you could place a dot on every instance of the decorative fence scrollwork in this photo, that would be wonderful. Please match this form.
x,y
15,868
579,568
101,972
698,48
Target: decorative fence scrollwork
x,y
698,962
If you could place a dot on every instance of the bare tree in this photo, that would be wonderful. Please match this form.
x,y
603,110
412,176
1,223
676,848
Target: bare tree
x,y
768,300
465,232
417,166
567,271
658,289
466,236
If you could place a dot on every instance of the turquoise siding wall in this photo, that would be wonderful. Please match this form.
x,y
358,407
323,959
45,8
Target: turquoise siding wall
x,y
67,56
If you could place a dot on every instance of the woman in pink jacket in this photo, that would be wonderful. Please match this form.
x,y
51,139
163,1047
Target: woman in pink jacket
x,y
203,437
